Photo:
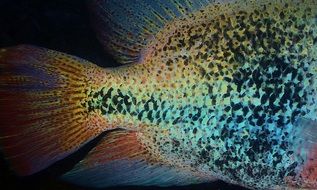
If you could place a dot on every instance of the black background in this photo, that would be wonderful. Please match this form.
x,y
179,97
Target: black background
x,y
61,25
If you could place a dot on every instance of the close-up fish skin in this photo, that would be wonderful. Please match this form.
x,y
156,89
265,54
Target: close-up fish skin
x,y
207,90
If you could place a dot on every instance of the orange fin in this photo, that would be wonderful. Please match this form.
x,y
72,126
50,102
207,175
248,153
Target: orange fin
x,y
120,160
43,115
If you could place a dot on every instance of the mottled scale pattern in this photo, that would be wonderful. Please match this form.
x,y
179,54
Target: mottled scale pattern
x,y
221,90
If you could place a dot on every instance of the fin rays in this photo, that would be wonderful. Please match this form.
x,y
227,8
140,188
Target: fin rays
x,y
41,100
120,159
126,27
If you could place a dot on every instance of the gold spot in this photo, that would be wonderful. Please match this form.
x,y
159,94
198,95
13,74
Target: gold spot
x,y
245,133
165,132
304,52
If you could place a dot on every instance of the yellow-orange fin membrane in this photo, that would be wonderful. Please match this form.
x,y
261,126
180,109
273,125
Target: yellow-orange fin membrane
x,y
42,113
121,160
124,27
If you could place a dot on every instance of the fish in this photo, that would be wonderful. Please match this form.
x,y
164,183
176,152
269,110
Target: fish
x,y
208,90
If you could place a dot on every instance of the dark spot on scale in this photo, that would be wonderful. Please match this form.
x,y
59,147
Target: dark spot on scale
x,y
195,130
175,143
227,79
237,106
239,119
204,155
228,108
260,121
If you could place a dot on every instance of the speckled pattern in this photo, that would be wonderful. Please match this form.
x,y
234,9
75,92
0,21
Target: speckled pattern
x,y
223,91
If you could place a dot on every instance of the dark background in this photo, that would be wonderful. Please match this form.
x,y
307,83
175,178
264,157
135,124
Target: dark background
x,y
61,25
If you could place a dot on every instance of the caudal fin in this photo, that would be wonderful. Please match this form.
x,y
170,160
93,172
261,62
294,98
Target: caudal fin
x,y
43,115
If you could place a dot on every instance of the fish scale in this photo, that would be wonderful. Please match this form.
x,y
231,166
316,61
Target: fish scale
x,y
218,90
240,81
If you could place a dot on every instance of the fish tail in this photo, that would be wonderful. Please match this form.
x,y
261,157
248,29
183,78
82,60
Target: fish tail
x,y
43,106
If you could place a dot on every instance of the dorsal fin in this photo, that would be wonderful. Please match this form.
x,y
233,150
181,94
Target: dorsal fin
x,y
125,27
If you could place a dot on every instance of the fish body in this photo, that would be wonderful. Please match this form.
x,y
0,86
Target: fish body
x,y
226,92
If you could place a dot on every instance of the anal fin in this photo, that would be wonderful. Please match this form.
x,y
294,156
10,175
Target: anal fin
x,y
121,160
